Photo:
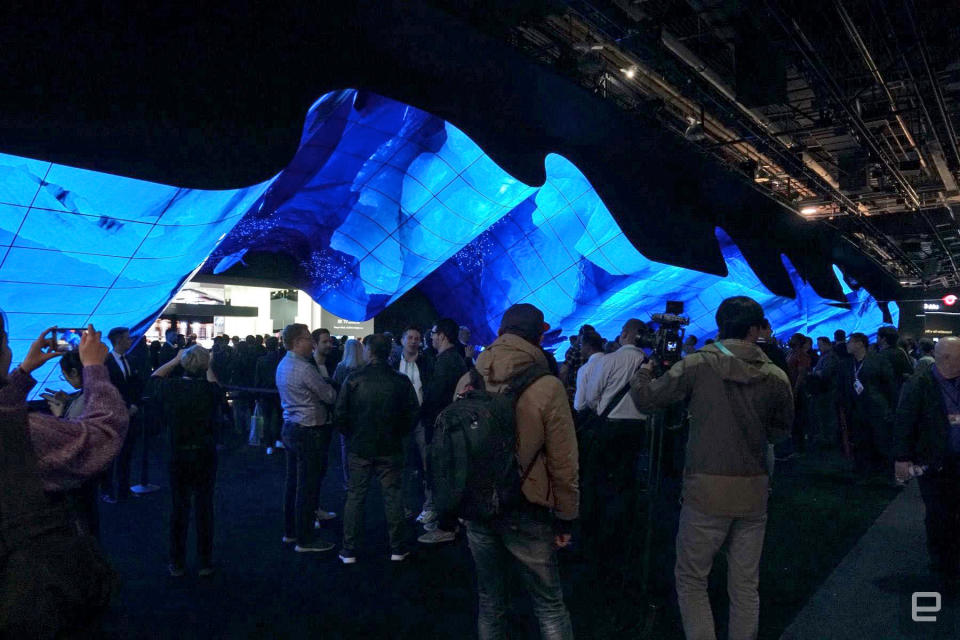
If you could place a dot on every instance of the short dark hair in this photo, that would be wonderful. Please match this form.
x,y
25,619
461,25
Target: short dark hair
x,y
116,332
171,331
889,335
293,331
411,328
272,343
861,338
926,345
316,333
736,315
839,334
449,328
70,361
765,324
379,346
824,339
592,340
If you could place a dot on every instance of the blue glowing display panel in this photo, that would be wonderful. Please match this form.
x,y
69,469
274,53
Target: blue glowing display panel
x,y
78,246
379,198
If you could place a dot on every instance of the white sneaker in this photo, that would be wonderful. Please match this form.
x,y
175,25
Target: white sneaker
x,y
269,451
399,557
437,536
426,517
318,546
278,445
347,558
287,540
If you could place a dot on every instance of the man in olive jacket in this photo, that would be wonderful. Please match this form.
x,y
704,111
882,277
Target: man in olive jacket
x,y
530,533
739,401
927,432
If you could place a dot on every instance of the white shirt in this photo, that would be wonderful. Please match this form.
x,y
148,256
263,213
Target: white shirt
x,y
616,370
587,381
412,371
123,368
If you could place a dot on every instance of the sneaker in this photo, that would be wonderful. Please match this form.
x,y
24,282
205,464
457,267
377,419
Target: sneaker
x,y
399,557
206,571
323,516
278,445
108,499
269,451
347,557
437,536
318,546
176,570
288,540
426,517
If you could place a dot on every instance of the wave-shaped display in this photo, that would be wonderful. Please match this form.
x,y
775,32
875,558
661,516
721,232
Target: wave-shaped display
x,y
379,198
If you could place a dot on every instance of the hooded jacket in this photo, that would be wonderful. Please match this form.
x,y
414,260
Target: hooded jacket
x,y
544,422
738,404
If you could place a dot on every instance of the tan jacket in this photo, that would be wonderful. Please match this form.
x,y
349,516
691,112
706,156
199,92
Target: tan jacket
x,y
543,422
738,403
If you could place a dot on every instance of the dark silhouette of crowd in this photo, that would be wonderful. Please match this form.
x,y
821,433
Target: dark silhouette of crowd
x,y
400,410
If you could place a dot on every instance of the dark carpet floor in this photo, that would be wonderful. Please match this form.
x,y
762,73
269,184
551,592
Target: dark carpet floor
x,y
263,589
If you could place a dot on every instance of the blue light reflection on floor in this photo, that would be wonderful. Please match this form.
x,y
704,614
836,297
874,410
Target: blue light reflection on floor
x,y
379,198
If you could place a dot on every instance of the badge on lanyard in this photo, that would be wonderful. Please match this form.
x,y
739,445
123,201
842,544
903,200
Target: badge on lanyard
x,y
954,419
857,386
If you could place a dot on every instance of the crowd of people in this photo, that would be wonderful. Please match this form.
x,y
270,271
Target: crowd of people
x,y
578,441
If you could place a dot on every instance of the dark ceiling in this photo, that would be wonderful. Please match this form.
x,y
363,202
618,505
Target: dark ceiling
x,y
684,115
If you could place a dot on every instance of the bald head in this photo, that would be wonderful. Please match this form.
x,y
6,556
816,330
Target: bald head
x,y
947,355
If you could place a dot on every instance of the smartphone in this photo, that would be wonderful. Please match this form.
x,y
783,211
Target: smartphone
x,y
68,339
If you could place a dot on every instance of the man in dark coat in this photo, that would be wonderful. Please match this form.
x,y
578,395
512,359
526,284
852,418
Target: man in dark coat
x,y
868,392
376,408
927,434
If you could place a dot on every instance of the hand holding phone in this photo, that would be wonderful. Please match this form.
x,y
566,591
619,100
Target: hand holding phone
x,y
43,348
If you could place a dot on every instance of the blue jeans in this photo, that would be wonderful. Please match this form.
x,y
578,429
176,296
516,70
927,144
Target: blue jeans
x,y
523,541
307,449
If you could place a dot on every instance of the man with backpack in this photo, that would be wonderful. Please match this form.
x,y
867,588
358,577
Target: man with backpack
x,y
520,493
438,392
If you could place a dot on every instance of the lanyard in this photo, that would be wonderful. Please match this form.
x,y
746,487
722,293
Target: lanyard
x,y
856,369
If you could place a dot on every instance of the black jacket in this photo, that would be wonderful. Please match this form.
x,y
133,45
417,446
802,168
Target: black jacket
x,y
438,393
375,409
921,429
424,365
131,387
266,372
879,398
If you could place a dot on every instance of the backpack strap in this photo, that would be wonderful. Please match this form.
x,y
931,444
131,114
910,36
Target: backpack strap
x,y
519,383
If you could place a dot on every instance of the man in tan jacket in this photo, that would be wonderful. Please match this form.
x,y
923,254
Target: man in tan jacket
x,y
528,534
739,401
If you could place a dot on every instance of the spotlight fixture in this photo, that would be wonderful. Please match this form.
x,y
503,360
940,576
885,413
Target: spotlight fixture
x,y
809,210
629,72
694,132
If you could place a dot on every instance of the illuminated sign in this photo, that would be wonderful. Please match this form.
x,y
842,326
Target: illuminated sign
x,y
930,306
949,300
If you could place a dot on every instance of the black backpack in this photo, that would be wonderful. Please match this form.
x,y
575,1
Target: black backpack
x,y
473,455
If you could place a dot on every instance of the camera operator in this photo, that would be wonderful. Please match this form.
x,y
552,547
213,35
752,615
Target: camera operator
x,y
738,402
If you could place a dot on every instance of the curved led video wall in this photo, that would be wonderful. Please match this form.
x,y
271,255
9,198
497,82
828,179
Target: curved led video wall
x,y
379,198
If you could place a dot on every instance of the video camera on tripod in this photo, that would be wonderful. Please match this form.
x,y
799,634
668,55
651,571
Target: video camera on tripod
x,y
667,341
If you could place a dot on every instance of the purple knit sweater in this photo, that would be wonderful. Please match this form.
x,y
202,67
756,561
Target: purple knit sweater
x,y
71,451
